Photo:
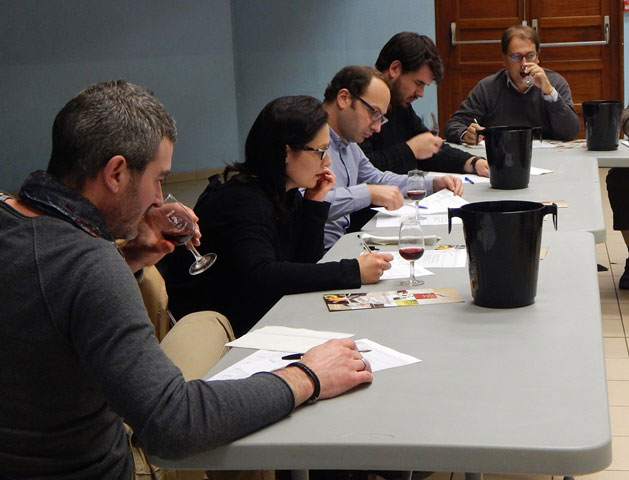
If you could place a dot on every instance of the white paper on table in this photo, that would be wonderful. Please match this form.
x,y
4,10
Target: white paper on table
x,y
480,144
440,201
538,144
540,171
625,142
380,358
383,221
400,269
393,240
448,258
473,177
436,203
285,339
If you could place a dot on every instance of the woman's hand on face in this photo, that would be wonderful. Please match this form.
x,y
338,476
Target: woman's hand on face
x,y
325,182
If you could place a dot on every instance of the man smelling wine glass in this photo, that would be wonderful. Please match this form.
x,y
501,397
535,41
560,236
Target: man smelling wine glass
x,y
522,93
178,225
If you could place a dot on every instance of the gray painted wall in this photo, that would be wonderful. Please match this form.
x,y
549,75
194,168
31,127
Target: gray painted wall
x,y
49,50
214,63
288,47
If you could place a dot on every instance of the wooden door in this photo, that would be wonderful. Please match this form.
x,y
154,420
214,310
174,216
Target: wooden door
x,y
593,71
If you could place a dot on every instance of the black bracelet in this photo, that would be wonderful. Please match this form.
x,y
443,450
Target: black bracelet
x,y
313,376
474,160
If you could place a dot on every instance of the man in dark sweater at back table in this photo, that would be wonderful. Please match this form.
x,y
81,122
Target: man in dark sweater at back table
x,y
522,93
79,354
410,62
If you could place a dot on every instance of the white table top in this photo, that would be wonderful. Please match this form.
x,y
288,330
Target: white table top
x,y
511,391
575,180
610,158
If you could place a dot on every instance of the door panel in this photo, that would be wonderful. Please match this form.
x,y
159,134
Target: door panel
x,y
592,71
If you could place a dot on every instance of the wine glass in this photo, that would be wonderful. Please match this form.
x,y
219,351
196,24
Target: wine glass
x,y
411,247
430,122
177,226
416,189
527,79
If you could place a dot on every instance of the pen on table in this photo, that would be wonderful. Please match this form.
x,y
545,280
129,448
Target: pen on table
x,y
469,180
365,246
297,356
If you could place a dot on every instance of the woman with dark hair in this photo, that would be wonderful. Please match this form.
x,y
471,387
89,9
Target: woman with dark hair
x,y
267,235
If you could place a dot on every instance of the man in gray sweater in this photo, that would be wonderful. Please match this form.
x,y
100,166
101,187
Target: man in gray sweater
x,y
523,94
78,351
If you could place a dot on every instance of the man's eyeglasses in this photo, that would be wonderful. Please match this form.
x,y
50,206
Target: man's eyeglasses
x,y
322,151
376,116
516,57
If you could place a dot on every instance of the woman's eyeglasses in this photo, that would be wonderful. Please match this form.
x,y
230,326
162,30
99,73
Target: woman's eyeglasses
x,y
322,151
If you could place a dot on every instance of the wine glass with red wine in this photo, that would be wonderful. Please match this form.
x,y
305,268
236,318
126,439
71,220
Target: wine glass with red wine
x,y
178,227
411,247
416,189
527,79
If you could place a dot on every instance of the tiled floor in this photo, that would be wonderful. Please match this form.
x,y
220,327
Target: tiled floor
x,y
615,313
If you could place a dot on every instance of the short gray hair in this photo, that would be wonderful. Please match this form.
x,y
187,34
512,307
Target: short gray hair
x,y
104,120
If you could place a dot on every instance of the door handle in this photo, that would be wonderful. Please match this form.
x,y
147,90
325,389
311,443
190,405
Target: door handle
x,y
605,40
465,42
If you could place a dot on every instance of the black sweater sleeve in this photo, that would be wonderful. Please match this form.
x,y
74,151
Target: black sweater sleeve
x,y
388,150
276,252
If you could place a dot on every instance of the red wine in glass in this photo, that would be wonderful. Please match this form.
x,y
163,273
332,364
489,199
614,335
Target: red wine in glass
x,y
528,80
416,195
178,238
411,253
176,225
416,189
411,247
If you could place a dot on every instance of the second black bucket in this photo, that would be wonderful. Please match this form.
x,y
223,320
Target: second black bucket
x,y
503,242
602,124
509,155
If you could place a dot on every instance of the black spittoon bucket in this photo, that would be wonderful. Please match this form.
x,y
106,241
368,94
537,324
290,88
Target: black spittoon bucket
x,y
509,155
602,123
503,240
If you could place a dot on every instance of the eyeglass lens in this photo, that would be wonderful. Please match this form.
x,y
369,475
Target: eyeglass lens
x,y
516,57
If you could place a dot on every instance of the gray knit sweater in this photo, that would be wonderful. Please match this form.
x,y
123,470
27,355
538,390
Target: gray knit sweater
x,y
79,355
492,102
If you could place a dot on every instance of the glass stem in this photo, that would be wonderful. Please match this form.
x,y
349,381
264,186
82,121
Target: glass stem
x,y
412,276
417,209
197,255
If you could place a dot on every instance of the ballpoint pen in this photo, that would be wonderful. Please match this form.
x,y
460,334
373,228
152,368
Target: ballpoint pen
x,y
297,356
364,245
469,180
476,122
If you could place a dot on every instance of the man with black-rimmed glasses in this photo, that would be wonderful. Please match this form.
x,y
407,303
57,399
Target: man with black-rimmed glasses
x,y
356,101
523,93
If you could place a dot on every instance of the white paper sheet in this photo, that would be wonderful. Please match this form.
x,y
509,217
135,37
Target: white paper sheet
x,y
449,258
380,358
466,177
393,240
436,203
285,339
395,221
540,171
401,269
